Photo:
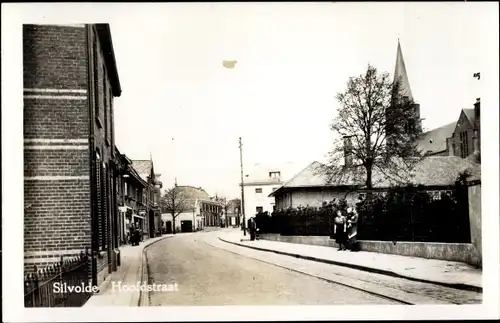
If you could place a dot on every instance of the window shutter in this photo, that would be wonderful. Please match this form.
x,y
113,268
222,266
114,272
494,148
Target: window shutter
x,y
100,228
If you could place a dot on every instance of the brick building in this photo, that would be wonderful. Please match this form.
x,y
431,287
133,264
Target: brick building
x,y
131,198
461,138
70,80
151,210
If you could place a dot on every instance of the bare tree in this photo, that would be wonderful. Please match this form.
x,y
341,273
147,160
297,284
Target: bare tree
x,y
376,130
175,201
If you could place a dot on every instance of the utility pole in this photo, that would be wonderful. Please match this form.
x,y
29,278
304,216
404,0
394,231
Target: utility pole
x,y
242,190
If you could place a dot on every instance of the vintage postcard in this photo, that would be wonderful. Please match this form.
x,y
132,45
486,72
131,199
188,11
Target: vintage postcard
x,y
249,161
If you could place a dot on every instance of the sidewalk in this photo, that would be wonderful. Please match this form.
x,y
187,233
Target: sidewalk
x,y
441,272
129,273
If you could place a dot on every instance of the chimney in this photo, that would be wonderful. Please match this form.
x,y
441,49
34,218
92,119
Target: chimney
x,y
347,151
477,108
477,122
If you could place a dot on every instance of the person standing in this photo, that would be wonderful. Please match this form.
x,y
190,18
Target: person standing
x,y
340,230
252,228
352,228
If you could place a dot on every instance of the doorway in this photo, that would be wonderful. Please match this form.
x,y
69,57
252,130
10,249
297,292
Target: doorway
x,y
186,226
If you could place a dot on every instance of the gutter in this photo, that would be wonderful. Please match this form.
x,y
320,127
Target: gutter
x,y
93,184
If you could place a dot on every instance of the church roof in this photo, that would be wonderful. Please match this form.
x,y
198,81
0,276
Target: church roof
x,y
469,113
434,141
401,74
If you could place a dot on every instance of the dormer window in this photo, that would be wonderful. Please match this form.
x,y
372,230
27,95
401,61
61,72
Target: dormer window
x,y
274,175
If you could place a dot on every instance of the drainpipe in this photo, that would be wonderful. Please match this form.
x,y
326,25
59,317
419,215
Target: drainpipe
x,y
93,175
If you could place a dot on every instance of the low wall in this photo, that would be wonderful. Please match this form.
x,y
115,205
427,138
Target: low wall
x,y
461,252
312,240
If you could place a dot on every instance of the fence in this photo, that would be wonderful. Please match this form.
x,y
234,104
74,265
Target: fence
x,y
64,284
407,214
418,216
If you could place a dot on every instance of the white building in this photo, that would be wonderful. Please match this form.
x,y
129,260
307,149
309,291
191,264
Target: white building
x,y
185,221
262,180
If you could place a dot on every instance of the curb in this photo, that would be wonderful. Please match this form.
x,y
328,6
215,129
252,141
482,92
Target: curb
x,y
364,268
143,296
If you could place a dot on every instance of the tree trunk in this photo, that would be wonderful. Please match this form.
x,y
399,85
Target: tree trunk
x,y
369,169
173,223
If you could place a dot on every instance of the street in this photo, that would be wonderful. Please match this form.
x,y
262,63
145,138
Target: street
x,y
211,272
207,275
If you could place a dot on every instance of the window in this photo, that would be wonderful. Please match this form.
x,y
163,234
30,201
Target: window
x,y
435,195
275,175
464,144
258,190
259,209
96,84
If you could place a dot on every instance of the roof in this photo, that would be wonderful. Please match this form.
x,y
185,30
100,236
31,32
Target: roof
x,y
469,113
104,34
143,168
434,140
430,171
234,203
192,194
400,73
259,173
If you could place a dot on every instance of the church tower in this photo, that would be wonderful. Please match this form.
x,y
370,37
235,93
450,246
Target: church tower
x,y
404,93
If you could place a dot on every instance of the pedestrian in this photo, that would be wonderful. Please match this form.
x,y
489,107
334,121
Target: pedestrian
x,y
340,230
252,228
352,229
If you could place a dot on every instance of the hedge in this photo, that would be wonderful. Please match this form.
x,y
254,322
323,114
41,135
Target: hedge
x,y
400,214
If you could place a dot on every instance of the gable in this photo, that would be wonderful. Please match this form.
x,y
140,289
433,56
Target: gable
x,y
463,123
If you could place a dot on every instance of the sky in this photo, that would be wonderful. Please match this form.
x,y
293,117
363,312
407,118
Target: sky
x,y
183,108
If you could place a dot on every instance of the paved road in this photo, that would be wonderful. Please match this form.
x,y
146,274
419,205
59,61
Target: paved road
x,y
207,275
212,272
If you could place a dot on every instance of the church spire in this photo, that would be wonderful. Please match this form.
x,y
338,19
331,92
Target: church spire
x,y
400,74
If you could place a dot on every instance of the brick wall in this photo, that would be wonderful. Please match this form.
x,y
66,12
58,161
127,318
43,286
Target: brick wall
x,y
101,105
54,57
56,154
56,118
58,101
463,126
52,226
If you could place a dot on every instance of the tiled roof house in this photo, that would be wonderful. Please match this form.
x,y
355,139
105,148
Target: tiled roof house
x,y
309,187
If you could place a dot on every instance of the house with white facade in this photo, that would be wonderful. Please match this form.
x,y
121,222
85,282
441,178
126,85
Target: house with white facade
x,y
262,180
200,211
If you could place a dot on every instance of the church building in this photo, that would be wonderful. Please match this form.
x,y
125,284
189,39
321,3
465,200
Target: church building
x,y
460,138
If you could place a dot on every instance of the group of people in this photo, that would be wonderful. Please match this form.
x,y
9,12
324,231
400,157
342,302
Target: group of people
x,y
345,229
135,234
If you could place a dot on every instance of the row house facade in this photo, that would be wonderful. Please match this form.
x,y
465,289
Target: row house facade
x,y
151,209
211,212
131,192
70,79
